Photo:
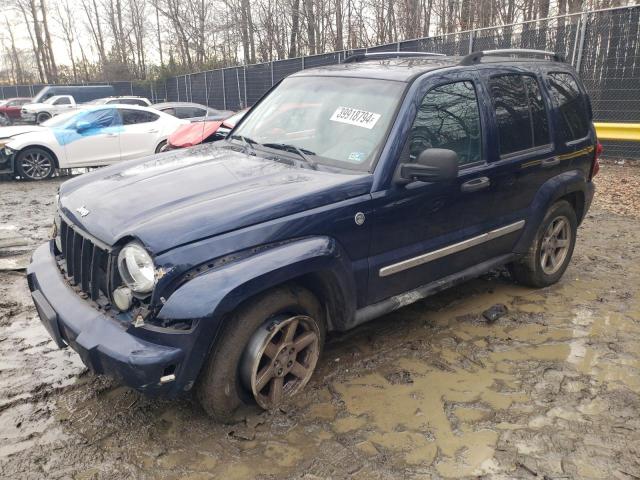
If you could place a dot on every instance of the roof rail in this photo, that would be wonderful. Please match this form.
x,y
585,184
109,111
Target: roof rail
x,y
360,57
476,57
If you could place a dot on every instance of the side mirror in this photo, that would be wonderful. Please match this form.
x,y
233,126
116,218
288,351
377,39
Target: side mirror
x,y
83,126
432,165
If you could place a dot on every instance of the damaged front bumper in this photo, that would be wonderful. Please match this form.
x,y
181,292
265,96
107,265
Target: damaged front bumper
x,y
105,345
7,159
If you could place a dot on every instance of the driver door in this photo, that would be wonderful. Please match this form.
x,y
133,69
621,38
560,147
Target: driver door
x,y
420,229
93,139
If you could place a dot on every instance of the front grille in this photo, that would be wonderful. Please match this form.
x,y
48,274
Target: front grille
x,y
87,265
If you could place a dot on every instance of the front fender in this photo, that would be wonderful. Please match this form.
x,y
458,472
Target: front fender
x,y
211,295
219,291
550,191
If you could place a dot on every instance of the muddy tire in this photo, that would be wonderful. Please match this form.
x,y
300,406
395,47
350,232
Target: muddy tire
x,y
42,117
35,164
252,353
551,250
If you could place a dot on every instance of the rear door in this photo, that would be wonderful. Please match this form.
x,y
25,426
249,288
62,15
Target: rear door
x,y
522,152
140,134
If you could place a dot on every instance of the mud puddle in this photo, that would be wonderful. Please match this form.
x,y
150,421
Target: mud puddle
x,y
550,389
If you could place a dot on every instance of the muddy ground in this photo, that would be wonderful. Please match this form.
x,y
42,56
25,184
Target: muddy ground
x,y
550,390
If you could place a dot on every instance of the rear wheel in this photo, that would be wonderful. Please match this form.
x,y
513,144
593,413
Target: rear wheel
x,y
42,117
35,164
266,354
161,146
551,250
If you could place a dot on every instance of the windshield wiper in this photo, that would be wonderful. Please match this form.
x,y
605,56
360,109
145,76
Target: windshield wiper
x,y
247,142
302,153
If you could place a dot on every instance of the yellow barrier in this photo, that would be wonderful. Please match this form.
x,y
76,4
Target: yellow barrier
x,y
618,131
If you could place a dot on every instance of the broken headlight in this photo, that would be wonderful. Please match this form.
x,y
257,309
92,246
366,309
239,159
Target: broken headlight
x,y
136,268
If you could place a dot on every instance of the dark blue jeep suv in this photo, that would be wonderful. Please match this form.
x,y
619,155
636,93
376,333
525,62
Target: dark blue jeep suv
x,y
347,192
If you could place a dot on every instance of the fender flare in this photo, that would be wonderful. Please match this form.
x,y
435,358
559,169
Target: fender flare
x,y
217,292
553,189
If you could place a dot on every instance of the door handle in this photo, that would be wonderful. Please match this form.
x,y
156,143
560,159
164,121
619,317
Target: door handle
x,y
550,162
475,184
152,131
112,134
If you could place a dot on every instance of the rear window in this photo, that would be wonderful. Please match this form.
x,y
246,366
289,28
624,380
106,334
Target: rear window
x,y
573,116
520,113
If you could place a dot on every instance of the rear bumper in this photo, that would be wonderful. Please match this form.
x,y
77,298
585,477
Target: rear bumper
x,y
105,345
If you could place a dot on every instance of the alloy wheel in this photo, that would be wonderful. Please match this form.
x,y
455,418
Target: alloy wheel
x,y
280,359
36,165
555,245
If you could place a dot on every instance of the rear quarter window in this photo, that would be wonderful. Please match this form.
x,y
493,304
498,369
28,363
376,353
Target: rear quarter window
x,y
569,102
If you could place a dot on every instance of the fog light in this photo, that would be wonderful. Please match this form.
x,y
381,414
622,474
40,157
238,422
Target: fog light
x,y
122,298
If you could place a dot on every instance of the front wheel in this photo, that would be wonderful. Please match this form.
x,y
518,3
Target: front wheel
x,y
42,117
266,354
551,250
35,164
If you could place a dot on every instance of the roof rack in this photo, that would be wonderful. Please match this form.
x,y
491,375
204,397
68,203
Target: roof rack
x,y
476,57
360,57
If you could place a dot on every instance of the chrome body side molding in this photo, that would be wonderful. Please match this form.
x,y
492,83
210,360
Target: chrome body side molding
x,y
450,249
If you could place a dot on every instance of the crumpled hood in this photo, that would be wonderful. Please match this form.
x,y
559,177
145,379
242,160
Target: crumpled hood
x,y
193,133
8,132
182,196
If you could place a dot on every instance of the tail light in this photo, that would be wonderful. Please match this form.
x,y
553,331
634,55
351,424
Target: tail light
x,y
595,165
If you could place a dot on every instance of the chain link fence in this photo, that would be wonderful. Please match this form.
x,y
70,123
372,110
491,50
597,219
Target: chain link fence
x,y
604,46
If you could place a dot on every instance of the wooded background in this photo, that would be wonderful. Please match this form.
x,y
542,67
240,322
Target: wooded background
x,y
604,46
71,41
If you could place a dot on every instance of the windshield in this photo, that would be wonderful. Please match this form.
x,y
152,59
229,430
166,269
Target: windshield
x,y
338,121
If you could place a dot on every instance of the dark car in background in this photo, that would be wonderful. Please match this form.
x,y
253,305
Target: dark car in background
x,y
346,192
191,111
10,109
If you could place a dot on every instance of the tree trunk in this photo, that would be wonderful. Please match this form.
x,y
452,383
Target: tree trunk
x,y
295,29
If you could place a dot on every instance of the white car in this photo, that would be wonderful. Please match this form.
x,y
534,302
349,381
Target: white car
x,y
91,137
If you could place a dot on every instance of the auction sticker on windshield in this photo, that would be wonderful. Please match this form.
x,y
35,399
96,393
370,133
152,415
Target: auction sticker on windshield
x,y
353,116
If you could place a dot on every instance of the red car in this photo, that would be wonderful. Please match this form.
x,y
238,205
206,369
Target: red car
x,y
202,132
10,109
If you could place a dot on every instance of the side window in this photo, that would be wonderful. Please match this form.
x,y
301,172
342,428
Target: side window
x,y
448,117
568,100
539,118
132,117
170,111
102,118
63,101
520,112
189,112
